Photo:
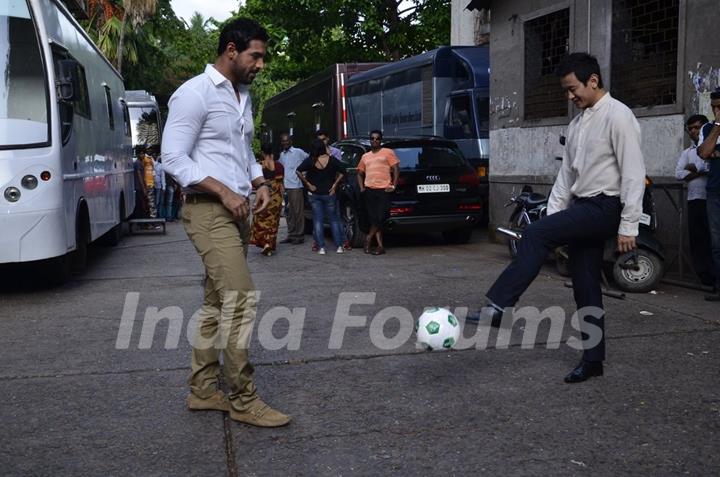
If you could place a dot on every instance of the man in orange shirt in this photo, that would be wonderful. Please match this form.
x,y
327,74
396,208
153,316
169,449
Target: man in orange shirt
x,y
378,173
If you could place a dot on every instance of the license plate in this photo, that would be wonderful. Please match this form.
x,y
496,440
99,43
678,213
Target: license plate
x,y
645,219
425,188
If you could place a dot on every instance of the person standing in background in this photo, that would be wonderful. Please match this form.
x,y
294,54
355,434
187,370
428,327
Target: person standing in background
x,y
266,222
159,179
693,170
291,157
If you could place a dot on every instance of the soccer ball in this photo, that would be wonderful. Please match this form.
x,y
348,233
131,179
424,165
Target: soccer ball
x,y
437,328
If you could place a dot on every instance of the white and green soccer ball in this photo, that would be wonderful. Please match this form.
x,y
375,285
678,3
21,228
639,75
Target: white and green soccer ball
x,y
437,328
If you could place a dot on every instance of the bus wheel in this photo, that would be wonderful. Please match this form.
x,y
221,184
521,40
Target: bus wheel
x,y
113,236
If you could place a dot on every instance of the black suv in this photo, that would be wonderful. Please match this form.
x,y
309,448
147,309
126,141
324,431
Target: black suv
x,y
438,190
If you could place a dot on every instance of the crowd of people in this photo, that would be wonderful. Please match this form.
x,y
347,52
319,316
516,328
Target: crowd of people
x,y
317,176
157,194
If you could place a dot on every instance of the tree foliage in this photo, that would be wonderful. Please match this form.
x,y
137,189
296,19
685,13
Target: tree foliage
x,y
161,51
313,34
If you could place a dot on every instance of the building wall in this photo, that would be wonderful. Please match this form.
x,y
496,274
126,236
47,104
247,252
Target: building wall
x,y
468,27
524,151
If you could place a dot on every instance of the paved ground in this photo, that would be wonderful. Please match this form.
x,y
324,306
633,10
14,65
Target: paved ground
x,y
74,404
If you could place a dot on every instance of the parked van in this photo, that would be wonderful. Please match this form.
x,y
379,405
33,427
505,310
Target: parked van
x,y
65,159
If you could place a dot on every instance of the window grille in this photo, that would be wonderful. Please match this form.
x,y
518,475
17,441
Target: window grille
x,y
546,43
644,52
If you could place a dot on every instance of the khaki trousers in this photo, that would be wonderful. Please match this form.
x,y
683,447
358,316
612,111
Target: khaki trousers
x,y
296,215
226,319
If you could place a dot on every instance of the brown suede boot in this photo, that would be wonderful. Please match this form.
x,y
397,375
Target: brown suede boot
x,y
216,402
259,414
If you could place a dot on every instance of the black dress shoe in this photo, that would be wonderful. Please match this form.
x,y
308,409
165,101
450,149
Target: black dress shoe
x,y
584,371
297,241
286,240
484,314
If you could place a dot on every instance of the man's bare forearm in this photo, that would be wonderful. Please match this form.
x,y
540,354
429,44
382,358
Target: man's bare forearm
x,y
706,149
212,186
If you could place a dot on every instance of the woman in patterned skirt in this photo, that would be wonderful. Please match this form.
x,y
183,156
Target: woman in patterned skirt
x,y
265,223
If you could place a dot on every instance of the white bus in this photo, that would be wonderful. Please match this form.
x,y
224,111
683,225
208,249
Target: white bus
x,y
65,147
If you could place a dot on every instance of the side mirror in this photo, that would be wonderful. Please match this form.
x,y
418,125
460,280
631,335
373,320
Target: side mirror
x,y
67,81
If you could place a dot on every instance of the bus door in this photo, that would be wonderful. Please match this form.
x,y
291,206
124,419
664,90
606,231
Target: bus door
x,y
466,123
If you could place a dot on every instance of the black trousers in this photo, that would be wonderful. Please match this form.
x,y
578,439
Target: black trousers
x,y
699,235
584,227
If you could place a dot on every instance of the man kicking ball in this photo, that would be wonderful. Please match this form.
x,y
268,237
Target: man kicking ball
x,y
597,194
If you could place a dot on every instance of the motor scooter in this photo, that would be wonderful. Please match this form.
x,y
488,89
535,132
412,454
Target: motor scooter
x,y
637,271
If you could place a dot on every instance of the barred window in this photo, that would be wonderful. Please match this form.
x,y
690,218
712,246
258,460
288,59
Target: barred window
x,y
644,52
546,43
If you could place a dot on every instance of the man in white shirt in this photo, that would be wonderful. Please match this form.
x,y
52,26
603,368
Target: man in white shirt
x,y
207,149
596,196
291,157
693,170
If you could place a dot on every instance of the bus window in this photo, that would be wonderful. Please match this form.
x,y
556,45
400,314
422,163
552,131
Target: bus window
x,y
126,117
108,102
459,122
482,106
23,88
82,101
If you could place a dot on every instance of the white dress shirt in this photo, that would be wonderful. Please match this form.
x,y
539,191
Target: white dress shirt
x,y
290,160
209,132
696,187
603,156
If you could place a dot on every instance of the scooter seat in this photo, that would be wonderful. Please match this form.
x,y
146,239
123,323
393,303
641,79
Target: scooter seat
x,y
535,199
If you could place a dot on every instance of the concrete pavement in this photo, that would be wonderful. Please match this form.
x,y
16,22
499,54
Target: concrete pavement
x,y
73,404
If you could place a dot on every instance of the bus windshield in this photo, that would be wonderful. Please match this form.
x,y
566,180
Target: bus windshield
x,y
23,87
144,125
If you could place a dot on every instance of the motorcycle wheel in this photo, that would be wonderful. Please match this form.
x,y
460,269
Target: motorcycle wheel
x,y
646,278
517,224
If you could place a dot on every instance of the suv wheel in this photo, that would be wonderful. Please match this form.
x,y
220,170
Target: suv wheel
x,y
351,224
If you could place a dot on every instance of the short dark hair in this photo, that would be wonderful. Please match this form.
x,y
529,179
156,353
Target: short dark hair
x,y
376,131
284,133
241,32
266,148
715,94
582,64
696,118
321,132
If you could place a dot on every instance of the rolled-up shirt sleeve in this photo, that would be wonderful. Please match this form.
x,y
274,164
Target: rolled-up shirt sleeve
x,y
626,143
187,112
680,171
